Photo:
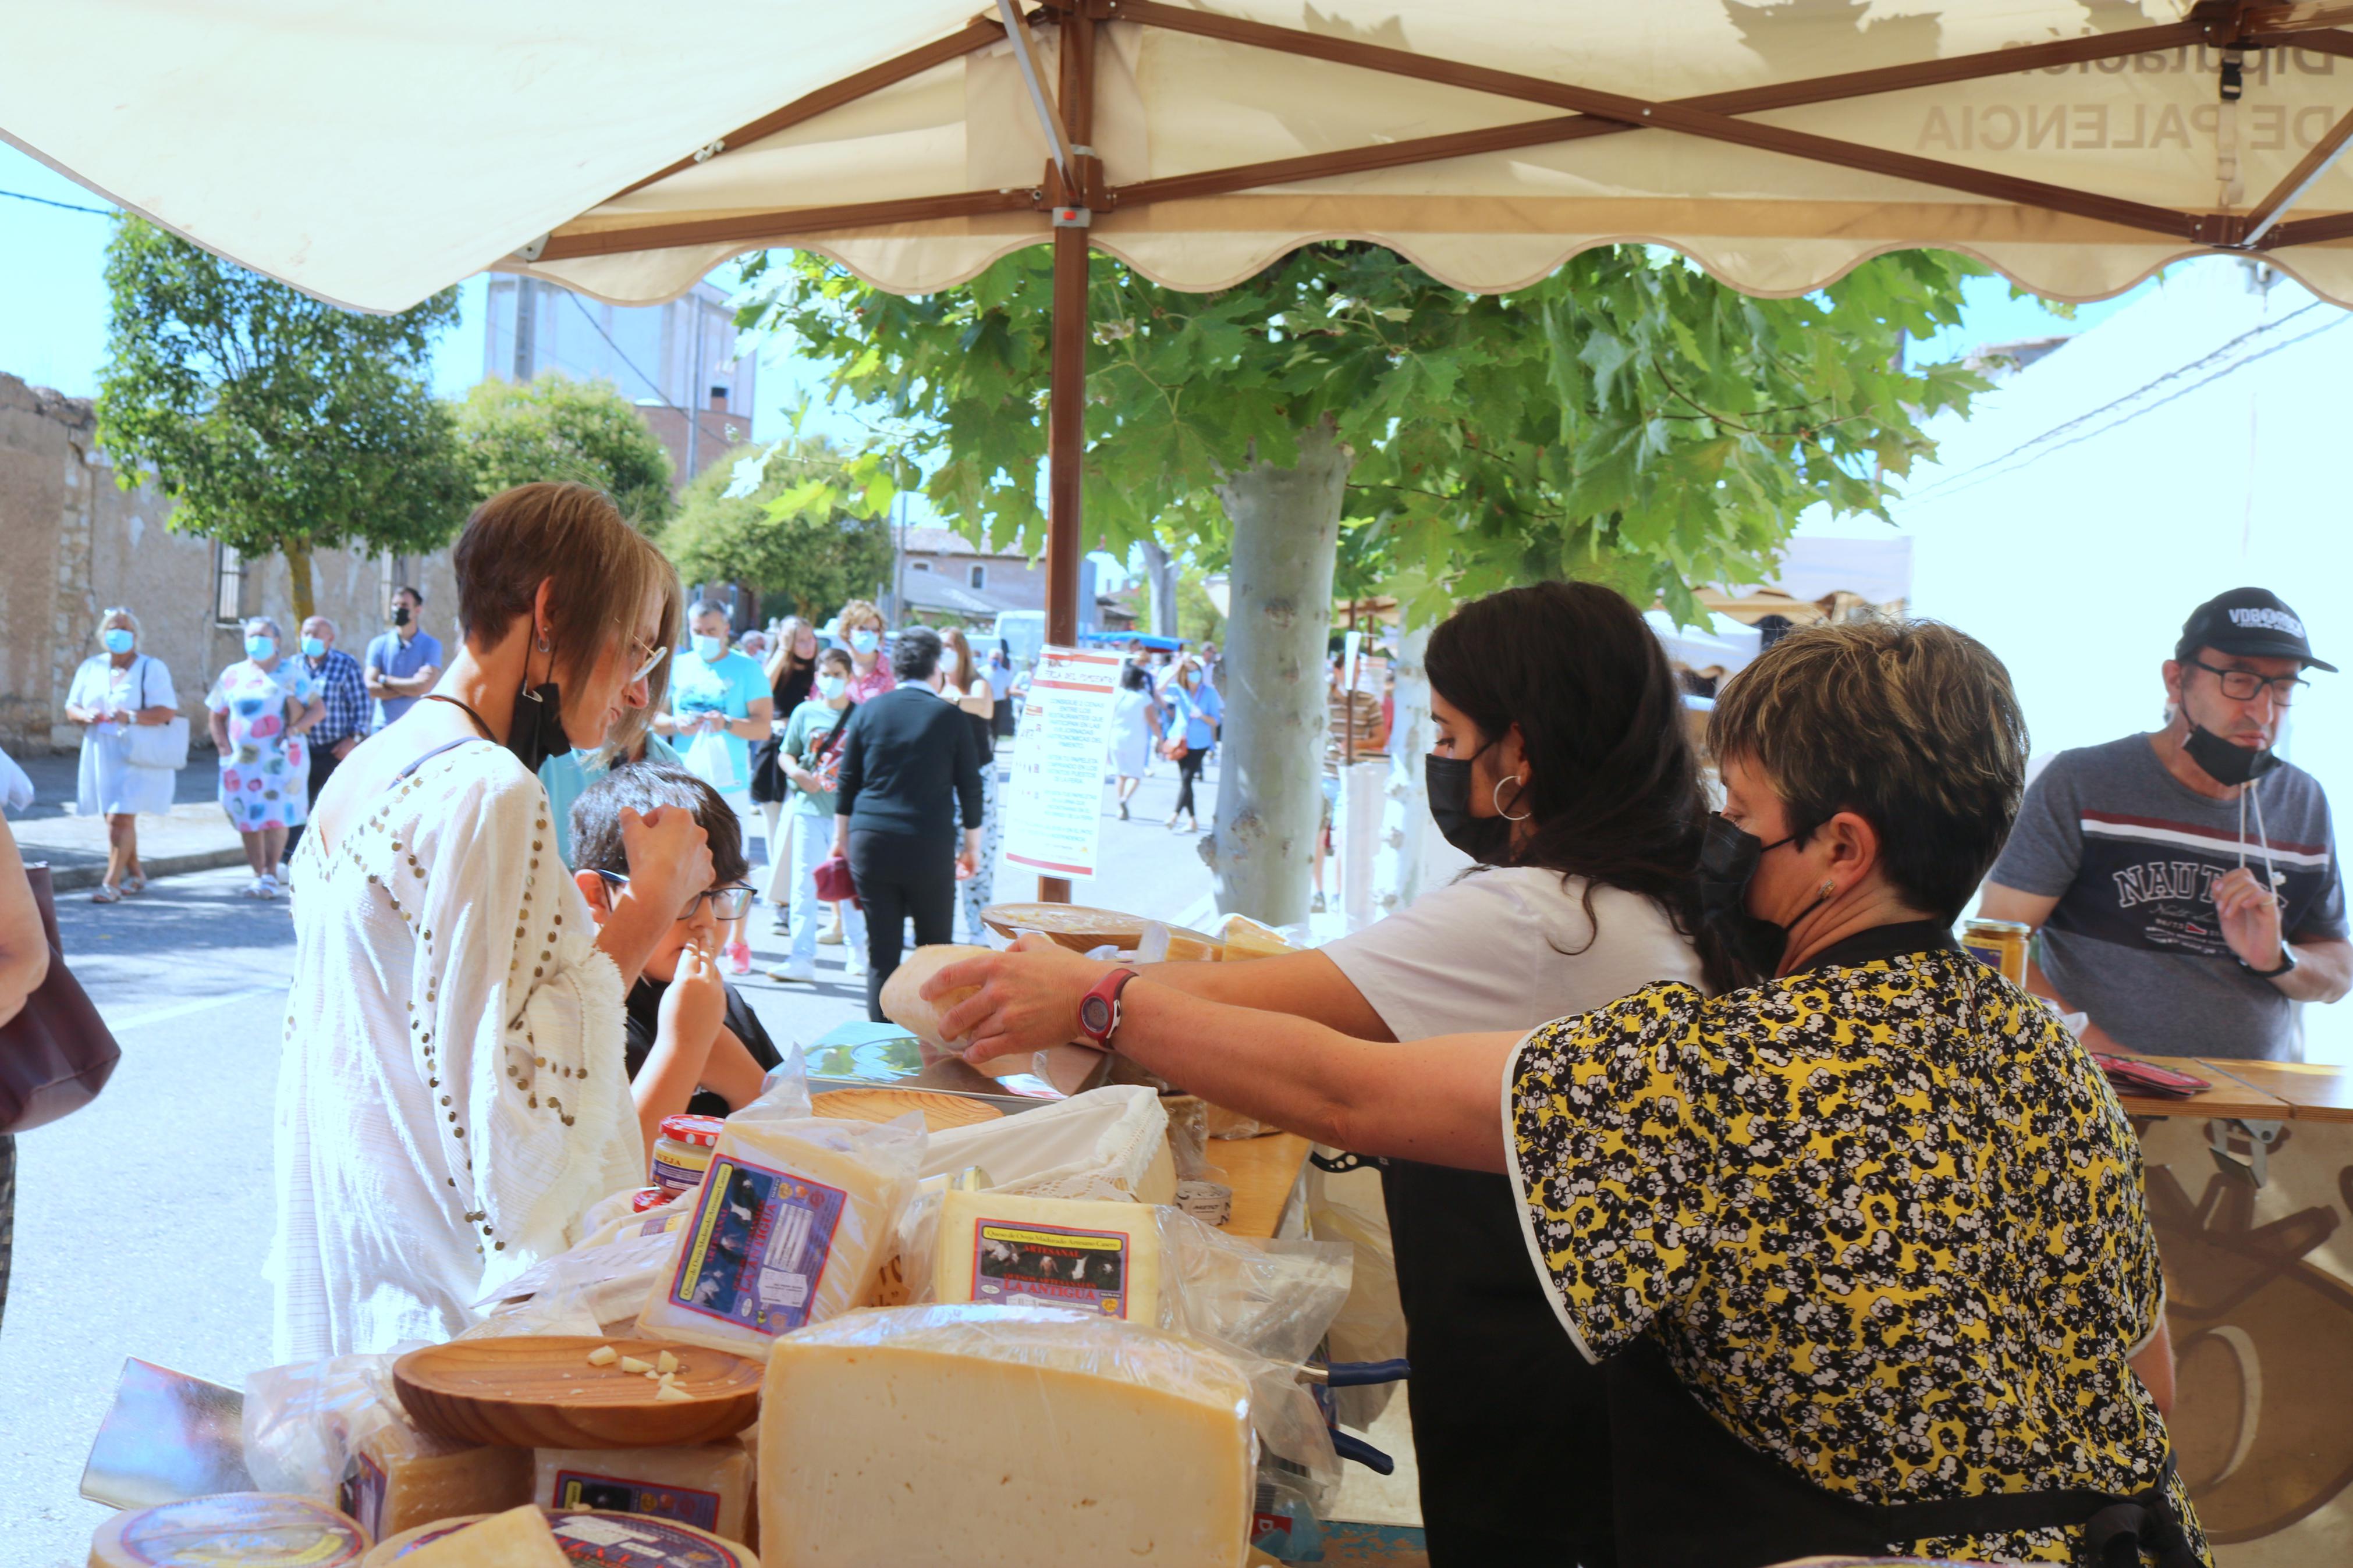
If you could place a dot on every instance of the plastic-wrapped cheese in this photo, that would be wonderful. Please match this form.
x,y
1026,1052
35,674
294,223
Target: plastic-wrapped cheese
x,y
399,1478
1093,1255
793,1222
902,1002
709,1487
582,1540
230,1530
964,1436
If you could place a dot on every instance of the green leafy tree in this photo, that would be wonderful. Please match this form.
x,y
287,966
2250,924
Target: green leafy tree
x,y
275,422
1627,419
807,533
557,428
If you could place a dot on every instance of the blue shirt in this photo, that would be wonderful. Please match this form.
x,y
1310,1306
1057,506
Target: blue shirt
x,y
566,777
1200,708
728,688
400,660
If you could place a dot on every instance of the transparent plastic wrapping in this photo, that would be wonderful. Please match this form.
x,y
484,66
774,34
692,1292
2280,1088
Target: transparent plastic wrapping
x,y
1371,1324
608,1281
301,1421
992,1437
784,1094
1105,1144
791,1227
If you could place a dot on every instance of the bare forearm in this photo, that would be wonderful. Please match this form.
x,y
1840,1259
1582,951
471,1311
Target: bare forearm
x,y
666,1083
629,935
24,944
731,1073
219,728
1306,984
2323,972
1436,1101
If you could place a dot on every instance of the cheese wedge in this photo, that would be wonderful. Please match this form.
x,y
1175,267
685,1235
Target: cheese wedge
x,y
518,1538
791,1225
1090,1255
709,1487
964,1436
903,1003
399,1478
583,1541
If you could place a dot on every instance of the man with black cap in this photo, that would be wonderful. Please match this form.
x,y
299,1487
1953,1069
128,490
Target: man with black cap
x,y
2185,882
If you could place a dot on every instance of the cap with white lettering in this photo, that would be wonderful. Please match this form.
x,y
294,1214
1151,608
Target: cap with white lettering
x,y
2253,623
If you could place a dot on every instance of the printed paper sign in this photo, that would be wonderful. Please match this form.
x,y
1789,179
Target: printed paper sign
x,y
1055,819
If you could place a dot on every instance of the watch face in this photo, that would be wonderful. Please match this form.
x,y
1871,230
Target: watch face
x,y
1094,1017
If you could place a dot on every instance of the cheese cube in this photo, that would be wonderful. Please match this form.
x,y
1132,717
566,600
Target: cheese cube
x,y
791,1227
1094,1256
963,1437
709,1487
518,1538
399,1478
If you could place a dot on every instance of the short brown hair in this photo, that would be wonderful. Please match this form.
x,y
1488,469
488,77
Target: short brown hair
x,y
605,573
1911,725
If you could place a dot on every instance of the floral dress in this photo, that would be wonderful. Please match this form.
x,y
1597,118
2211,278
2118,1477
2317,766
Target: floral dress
x,y
265,774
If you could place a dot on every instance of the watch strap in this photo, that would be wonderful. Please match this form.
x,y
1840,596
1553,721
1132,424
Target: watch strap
x,y
2286,964
1102,1002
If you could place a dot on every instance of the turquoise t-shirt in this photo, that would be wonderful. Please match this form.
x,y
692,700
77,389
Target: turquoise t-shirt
x,y
565,778
728,688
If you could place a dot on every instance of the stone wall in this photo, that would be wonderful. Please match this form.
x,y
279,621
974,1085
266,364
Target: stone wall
x,y
74,543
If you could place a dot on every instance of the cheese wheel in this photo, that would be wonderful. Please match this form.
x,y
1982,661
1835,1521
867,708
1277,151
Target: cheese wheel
x,y
903,1003
230,1530
585,1539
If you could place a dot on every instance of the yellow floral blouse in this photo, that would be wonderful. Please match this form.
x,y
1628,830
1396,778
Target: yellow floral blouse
x,y
1885,1219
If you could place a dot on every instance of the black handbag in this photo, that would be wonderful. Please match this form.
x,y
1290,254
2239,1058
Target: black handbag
x,y
58,1053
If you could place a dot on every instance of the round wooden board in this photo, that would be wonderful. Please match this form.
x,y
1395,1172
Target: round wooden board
x,y
941,1111
538,1391
1081,927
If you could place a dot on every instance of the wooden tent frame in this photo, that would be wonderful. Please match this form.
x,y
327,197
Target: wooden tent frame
x,y
1073,189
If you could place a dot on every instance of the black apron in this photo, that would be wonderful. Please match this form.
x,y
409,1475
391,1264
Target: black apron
x,y
1690,1494
1510,1424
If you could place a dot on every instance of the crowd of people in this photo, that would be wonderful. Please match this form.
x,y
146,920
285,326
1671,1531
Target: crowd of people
x,y
1637,1078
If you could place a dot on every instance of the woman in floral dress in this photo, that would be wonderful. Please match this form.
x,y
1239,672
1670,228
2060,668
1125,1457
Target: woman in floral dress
x,y
262,708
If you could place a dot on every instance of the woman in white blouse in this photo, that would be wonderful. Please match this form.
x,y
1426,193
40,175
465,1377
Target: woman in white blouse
x,y
110,692
453,1095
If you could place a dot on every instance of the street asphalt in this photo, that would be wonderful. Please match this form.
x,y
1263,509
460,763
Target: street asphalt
x,y
143,1220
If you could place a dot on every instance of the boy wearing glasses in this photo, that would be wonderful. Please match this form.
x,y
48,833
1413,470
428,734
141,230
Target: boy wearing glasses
x,y
2185,882
693,1043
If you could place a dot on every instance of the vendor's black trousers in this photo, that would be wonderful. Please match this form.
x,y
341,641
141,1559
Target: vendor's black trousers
x,y
899,875
1188,768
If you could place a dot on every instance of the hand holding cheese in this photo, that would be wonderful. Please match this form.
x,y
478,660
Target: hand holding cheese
x,y
1015,1003
903,999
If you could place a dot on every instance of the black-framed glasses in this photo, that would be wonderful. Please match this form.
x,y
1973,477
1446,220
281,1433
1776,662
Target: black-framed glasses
x,y
729,903
2242,685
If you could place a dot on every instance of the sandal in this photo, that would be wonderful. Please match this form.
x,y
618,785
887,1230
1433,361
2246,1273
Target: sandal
x,y
106,894
134,885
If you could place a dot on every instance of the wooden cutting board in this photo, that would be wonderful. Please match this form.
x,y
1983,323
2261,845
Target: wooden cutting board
x,y
941,1111
538,1391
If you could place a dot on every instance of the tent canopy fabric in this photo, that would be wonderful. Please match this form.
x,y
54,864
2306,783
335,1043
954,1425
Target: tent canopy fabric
x,y
372,155
1722,644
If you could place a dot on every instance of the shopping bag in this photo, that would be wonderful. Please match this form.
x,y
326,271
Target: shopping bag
x,y
710,758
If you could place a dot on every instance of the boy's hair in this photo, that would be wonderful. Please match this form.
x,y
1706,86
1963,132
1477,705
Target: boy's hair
x,y
596,818
833,657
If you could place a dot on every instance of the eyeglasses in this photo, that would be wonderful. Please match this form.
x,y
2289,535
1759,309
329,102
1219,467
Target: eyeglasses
x,y
653,657
726,903
2243,685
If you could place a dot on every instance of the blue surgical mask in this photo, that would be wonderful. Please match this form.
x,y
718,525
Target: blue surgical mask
x,y
314,647
118,639
260,648
865,639
710,650
832,686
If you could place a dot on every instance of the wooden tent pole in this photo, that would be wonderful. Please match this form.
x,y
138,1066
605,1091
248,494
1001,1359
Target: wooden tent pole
x,y
1066,402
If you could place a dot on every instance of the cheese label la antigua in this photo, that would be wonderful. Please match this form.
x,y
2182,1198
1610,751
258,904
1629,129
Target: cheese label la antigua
x,y
1054,1264
759,1246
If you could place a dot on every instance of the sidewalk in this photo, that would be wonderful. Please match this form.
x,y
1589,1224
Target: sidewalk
x,y
196,837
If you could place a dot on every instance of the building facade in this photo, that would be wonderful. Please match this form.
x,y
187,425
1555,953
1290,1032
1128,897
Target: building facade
x,y
677,362
987,579
74,543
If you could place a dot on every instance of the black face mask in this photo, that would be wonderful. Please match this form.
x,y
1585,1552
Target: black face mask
x,y
2224,763
537,731
1486,839
400,615
1727,862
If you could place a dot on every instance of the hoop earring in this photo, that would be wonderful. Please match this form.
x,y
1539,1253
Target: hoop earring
x,y
1495,798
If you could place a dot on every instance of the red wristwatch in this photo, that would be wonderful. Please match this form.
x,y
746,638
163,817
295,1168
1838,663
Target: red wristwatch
x,y
1099,1010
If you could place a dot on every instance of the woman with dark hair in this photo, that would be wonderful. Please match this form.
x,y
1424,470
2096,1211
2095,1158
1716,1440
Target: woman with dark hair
x,y
1134,730
1861,1250
1563,767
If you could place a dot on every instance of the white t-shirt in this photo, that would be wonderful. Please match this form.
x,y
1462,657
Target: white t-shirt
x,y
1510,948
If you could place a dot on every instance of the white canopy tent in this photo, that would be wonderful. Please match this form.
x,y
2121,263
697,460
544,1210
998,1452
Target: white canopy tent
x,y
1722,643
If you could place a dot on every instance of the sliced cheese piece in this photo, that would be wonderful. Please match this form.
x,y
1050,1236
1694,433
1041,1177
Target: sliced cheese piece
x,y
902,1002
1077,1442
592,1541
399,1478
1245,938
1090,1254
603,1356
708,1487
666,1361
519,1538
631,1364
230,1530
792,1224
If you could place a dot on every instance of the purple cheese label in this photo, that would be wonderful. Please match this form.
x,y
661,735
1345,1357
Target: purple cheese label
x,y
1051,1264
758,1248
619,1494
363,1493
